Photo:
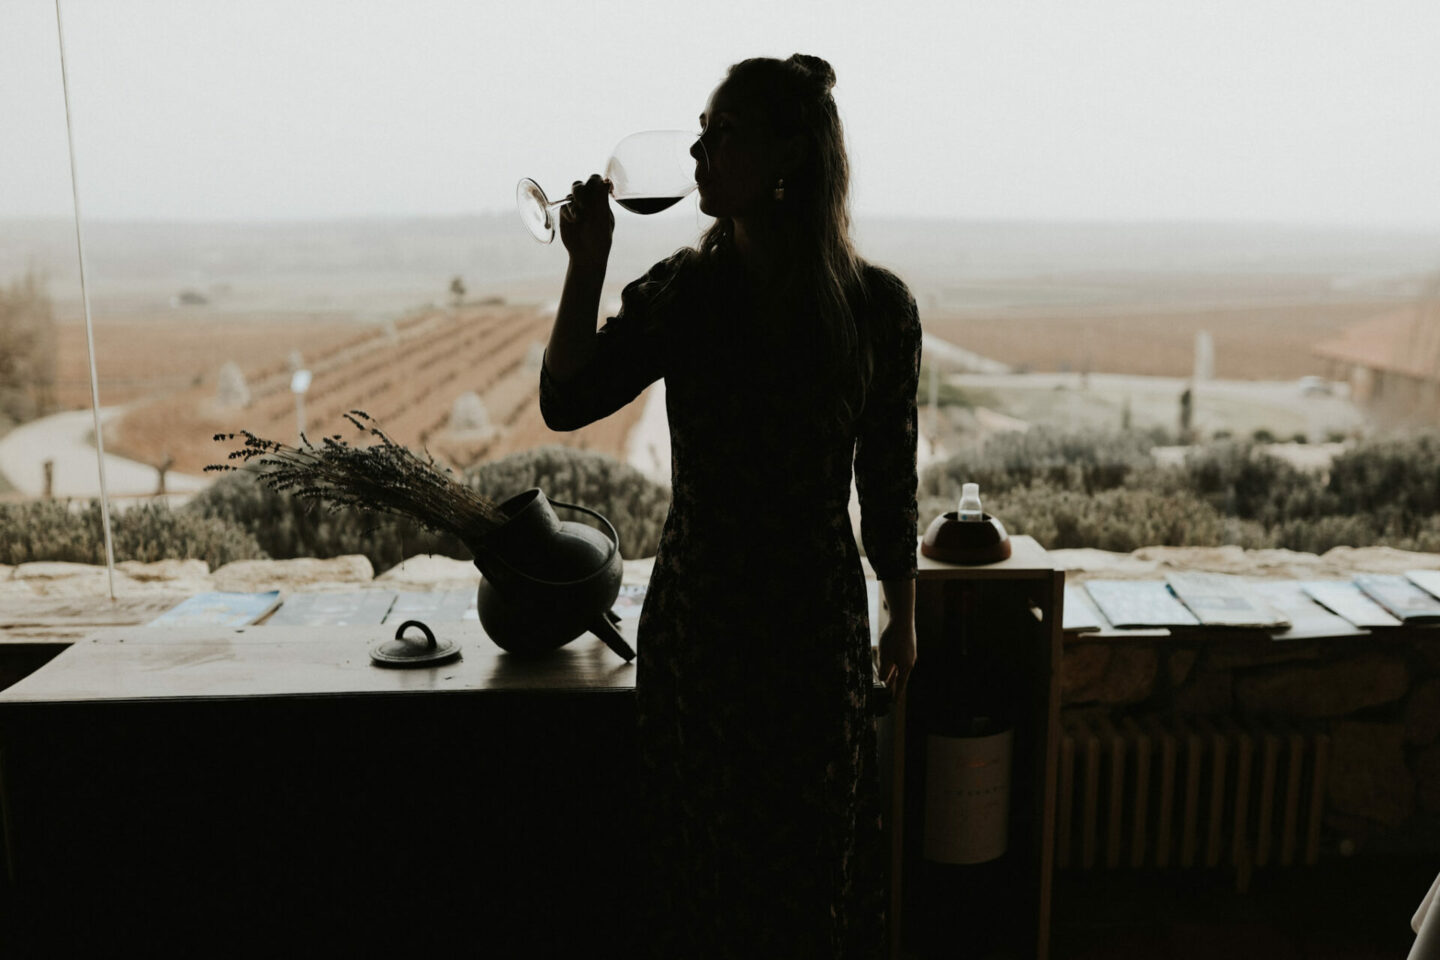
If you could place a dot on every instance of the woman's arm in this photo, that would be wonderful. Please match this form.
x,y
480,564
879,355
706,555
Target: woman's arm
x,y
885,472
588,373
586,227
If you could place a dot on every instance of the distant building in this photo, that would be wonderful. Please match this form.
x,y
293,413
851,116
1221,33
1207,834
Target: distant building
x,y
1392,362
189,298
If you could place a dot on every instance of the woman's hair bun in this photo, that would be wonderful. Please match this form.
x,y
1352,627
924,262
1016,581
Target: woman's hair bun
x,y
819,71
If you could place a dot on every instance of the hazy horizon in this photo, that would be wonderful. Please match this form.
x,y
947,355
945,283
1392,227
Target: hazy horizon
x,y
1237,111
375,266
1397,228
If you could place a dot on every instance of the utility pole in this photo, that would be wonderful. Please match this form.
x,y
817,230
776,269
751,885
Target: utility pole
x,y
299,383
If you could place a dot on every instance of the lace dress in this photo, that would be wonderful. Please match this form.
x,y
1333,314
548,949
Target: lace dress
x,y
754,658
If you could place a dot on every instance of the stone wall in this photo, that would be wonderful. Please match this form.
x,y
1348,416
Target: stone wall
x,y
1377,697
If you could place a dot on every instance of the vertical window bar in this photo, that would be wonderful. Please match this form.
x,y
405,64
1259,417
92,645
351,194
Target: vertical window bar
x,y
89,325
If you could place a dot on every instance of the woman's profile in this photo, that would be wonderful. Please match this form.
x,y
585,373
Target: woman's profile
x,y
790,365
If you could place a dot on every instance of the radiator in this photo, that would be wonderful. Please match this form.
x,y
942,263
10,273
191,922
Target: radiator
x,y
1189,793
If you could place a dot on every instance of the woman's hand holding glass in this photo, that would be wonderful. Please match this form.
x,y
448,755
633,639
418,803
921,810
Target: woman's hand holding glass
x,y
587,224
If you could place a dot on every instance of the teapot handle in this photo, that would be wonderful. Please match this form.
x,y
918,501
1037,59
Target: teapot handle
x,y
614,534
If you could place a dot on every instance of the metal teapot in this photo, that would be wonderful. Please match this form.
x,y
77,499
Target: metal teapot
x,y
546,581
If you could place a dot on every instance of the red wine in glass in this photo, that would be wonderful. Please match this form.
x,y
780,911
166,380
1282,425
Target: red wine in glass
x,y
647,204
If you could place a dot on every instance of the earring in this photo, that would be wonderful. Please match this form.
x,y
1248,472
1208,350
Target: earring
x,y
780,189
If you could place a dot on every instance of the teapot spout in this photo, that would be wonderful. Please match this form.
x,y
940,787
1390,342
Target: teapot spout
x,y
604,628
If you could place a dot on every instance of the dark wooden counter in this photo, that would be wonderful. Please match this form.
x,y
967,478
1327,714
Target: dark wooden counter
x,y
269,791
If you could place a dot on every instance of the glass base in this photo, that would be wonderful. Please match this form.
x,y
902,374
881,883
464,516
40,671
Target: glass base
x,y
534,209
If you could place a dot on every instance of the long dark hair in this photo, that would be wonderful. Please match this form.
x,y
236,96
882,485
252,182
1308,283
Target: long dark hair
x,y
792,97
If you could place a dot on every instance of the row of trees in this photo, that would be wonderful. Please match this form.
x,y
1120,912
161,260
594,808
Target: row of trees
x,y
28,349
1100,490
239,518
1104,490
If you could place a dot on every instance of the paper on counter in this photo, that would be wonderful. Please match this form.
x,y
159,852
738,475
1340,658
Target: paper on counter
x,y
219,609
1344,598
1081,614
360,608
1223,600
1399,596
1139,603
1427,580
1308,619
437,606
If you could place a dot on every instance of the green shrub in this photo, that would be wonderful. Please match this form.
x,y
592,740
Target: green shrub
x,y
287,527
1389,528
1104,490
1319,534
1088,461
1120,519
1067,490
634,503
46,530
57,530
1425,538
1398,471
1240,480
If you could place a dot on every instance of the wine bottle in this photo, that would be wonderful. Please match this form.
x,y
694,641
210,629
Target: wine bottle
x,y
965,747
967,788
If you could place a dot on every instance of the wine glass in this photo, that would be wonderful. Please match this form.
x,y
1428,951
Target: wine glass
x,y
648,172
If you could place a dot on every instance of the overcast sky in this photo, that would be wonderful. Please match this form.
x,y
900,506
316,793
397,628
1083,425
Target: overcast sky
x,y
1307,111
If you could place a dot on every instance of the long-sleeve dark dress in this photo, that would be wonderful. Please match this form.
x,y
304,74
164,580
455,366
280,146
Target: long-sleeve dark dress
x,y
754,647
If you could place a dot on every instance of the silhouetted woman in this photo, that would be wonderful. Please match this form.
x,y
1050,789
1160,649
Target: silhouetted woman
x,y
787,359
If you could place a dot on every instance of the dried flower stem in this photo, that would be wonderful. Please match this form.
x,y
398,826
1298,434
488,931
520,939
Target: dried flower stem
x,y
384,477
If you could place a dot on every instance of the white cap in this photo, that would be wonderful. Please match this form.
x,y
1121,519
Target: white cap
x,y
969,508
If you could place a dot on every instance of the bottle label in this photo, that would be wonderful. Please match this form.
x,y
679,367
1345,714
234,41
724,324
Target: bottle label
x,y
967,797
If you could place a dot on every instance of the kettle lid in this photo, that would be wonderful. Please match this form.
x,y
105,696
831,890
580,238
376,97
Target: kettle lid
x,y
401,652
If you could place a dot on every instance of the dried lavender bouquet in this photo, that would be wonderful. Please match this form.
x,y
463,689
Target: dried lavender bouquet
x,y
384,477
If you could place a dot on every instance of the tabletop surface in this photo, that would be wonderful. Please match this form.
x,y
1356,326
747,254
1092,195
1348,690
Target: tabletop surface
x,y
121,663
155,663
1028,561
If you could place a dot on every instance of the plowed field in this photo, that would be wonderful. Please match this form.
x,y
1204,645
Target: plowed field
x,y
1252,342
407,380
140,357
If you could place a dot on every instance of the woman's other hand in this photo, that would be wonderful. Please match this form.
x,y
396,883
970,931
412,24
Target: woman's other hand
x,y
587,223
897,653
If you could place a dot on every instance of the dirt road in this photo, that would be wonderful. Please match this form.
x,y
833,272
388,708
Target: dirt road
x,y
1073,401
65,440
